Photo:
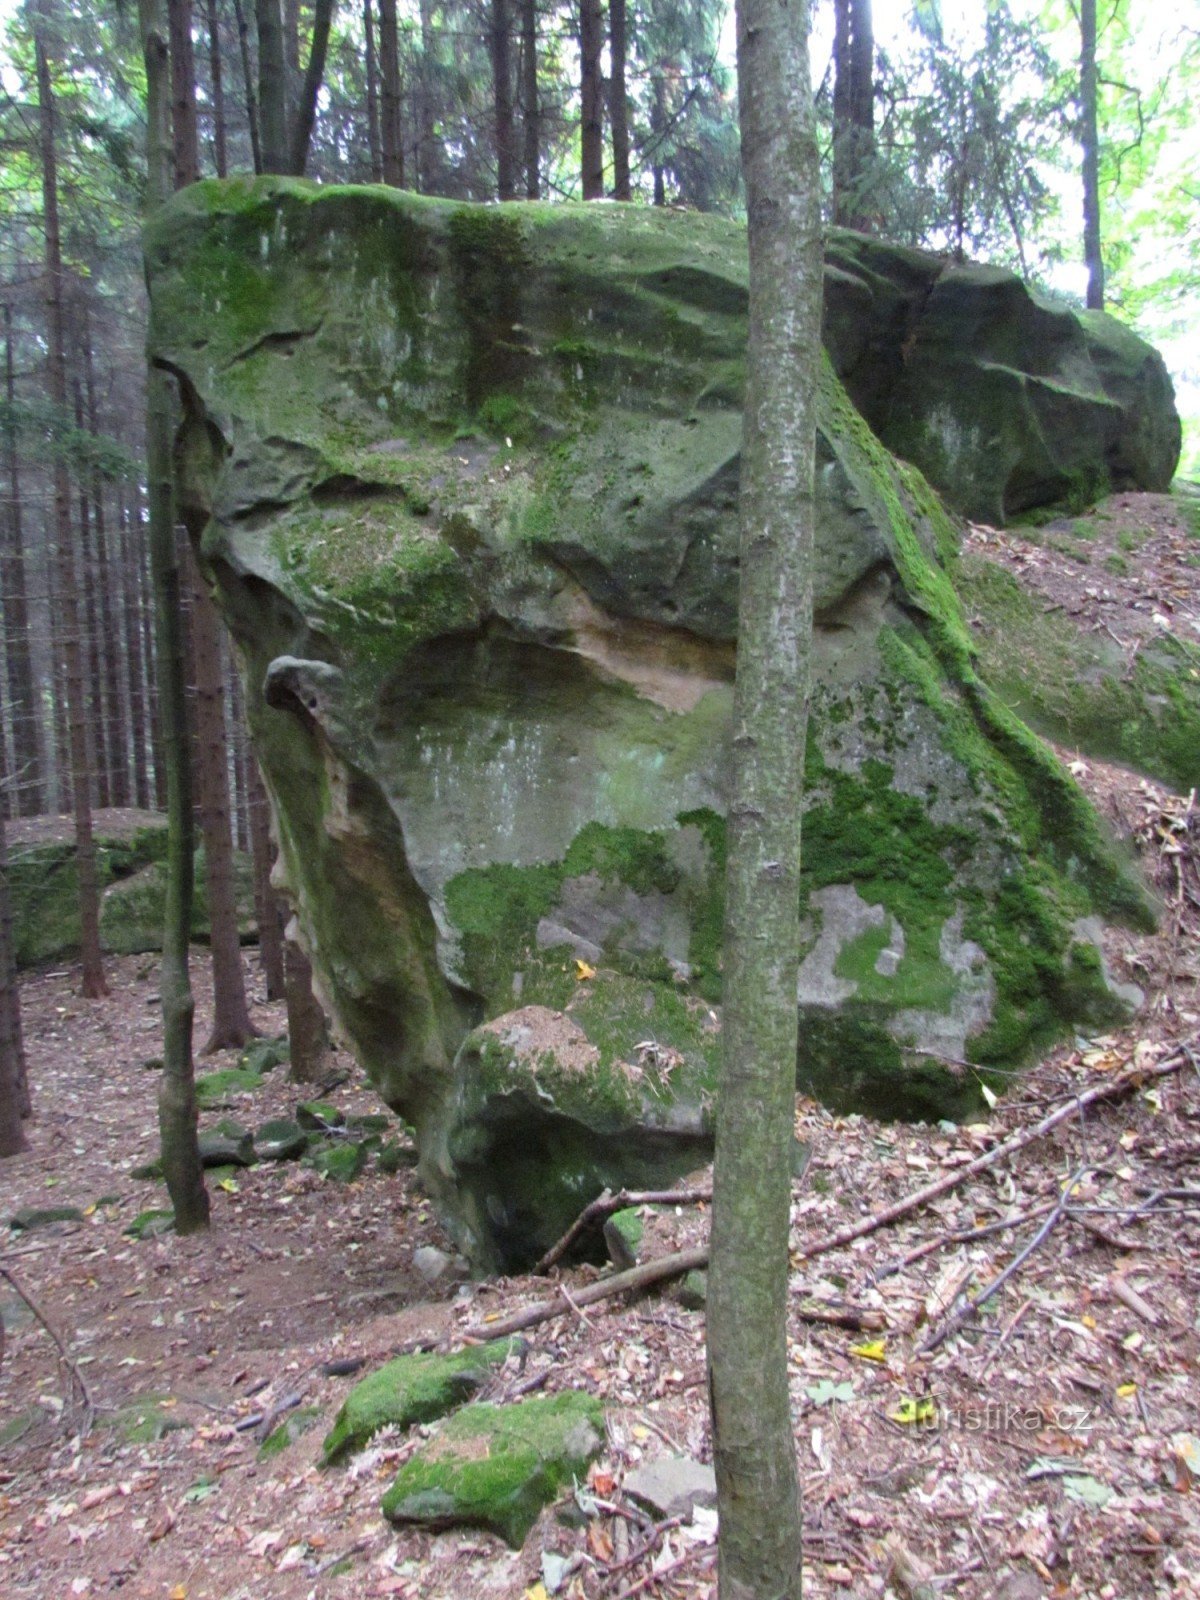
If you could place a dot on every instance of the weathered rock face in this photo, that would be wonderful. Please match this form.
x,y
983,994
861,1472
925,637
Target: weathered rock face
x,y
466,481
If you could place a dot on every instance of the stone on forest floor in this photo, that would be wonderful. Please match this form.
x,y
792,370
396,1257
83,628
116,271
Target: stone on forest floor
x,y
144,1420
152,1224
30,1217
148,1171
692,1293
672,1486
226,1145
394,1157
264,1055
214,1089
318,1116
280,1139
496,1467
341,1162
294,1426
411,1389
623,1235
468,480
433,1264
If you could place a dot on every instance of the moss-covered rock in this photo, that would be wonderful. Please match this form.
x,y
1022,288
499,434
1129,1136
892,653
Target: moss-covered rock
x,y
280,1139
342,1163
145,1420
410,1389
44,887
225,1086
466,482
294,1426
495,1467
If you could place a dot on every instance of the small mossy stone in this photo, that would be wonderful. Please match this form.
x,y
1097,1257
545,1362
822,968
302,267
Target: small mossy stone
x,y
341,1162
30,1217
411,1389
263,1055
280,1139
145,1420
152,1064
395,1157
692,1293
220,1149
17,1427
623,1235
149,1171
294,1426
151,1224
318,1116
215,1089
495,1467
371,1122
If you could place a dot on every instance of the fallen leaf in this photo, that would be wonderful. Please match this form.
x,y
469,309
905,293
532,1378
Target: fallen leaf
x,y
872,1350
583,971
913,1411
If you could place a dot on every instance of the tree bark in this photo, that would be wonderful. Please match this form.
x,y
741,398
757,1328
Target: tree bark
x,y
1089,138
243,28
177,1110
498,41
266,903
216,74
131,629
591,98
372,73
93,981
390,133
853,112
183,93
308,1034
314,75
658,124
426,163
231,1026
87,573
753,1442
618,104
272,86
107,585
12,1055
531,110
27,796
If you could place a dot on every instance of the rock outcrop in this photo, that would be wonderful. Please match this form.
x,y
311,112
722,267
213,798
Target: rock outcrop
x,y
465,479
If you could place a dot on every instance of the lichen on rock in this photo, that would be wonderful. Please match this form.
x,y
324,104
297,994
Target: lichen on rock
x,y
465,480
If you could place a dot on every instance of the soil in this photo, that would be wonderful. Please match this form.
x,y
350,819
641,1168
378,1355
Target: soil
x,y
1048,1447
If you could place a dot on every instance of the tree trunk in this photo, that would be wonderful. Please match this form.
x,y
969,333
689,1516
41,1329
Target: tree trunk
x,y
94,985
88,576
243,28
107,585
314,75
391,137
591,98
266,903
506,161
427,148
308,1035
28,796
272,86
216,74
183,93
531,110
177,1111
1089,138
618,106
131,608
231,1019
372,72
753,1441
853,112
12,1055
658,126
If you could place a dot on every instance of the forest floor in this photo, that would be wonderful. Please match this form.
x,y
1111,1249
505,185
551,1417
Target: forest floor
x,y
1049,1447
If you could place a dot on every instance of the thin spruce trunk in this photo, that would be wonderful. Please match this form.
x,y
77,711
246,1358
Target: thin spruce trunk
x,y
502,109
107,590
93,981
759,1553
1089,138
183,93
531,110
14,1081
314,74
372,73
853,112
618,104
28,780
147,612
591,98
177,1110
308,1032
266,902
88,575
132,602
390,133
248,91
272,86
216,76
658,124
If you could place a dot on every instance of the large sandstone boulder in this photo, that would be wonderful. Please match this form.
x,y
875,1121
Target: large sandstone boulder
x,y
465,479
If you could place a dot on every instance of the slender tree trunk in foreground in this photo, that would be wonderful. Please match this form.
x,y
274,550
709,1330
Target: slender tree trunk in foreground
x,y
371,72
272,86
390,134
591,98
314,75
753,1441
93,984
530,109
183,93
177,1112
308,1035
243,28
216,73
618,105
498,41
1089,138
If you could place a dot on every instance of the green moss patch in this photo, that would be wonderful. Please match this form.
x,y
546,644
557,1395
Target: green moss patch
x,y
410,1389
294,1426
495,1467
221,1088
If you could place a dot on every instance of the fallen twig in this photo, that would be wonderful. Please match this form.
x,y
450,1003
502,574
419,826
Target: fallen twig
x,y
639,1277
1129,1296
89,1407
1110,1090
607,1204
966,1236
